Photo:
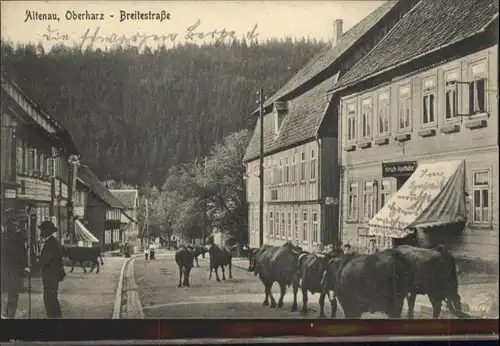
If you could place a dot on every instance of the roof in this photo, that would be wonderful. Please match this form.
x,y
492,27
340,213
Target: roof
x,y
127,197
430,25
301,123
90,179
328,55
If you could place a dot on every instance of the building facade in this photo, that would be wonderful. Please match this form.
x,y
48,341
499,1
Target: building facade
x,y
128,223
301,172
35,153
425,107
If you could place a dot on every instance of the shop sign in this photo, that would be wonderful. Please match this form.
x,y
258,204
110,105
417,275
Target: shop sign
x,y
398,169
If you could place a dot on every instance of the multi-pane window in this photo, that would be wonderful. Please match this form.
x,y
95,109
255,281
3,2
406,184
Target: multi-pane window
x,y
313,165
303,166
481,187
283,225
385,192
31,160
384,109
451,99
289,226
404,111
477,88
351,122
296,225
19,155
368,199
352,206
294,169
271,224
305,227
428,101
277,225
276,172
366,118
315,225
287,170
280,172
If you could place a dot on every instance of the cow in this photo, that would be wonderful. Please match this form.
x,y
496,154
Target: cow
x,y
220,256
185,260
277,264
434,275
367,283
83,254
311,267
197,251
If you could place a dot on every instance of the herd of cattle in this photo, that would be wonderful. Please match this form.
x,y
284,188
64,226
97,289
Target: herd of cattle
x,y
361,283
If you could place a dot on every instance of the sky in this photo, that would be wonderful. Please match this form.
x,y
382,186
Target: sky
x,y
182,21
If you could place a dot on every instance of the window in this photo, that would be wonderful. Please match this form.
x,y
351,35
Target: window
x,y
352,211
477,88
19,155
315,228
275,173
384,109
303,166
257,222
368,200
271,224
481,196
305,228
428,101
287,170
313,165
404,107
385,192
31,160
277,225
451,95
366,118
283,225
294,169
280,172
289,226
296,225
351,122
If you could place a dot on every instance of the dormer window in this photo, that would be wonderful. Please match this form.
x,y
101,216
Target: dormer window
x,y
281,109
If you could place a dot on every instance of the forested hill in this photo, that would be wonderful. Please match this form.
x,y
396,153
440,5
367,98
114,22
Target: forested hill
x,y
135,115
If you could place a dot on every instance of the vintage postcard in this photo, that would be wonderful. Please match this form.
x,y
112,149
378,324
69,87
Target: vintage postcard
x,y
249,159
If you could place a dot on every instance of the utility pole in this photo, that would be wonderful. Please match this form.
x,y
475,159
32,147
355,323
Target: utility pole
x,y
261,169
72,176
204,201
147,220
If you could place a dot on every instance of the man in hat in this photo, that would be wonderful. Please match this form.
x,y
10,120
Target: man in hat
x,y
14,262
52,269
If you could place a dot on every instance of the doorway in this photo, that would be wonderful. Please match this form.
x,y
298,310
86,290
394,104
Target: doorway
x,y
401,180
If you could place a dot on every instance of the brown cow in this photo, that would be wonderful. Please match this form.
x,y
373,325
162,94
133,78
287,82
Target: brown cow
x,y
220,256
184,259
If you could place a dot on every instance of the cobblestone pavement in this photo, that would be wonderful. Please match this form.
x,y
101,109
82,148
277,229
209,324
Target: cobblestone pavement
x,y
240,297
81,295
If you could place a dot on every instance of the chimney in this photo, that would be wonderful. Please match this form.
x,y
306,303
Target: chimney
x,y
337,31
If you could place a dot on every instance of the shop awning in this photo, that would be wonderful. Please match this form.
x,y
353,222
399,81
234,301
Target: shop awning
x,y
432,196
83,234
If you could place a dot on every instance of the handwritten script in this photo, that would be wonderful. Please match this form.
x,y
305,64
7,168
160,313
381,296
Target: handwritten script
x,y
91,37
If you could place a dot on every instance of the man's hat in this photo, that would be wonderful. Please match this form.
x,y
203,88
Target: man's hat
x,y
47,228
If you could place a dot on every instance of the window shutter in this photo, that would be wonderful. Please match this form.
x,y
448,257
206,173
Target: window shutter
x,y
471,98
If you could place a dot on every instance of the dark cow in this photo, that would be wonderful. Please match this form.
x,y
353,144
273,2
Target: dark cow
x,y
220,256
434,275
81,255
184,259
311,267
197,251
367,283
277,264
252,258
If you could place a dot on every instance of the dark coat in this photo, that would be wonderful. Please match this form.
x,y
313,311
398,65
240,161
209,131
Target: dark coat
x,y
51,262
14,259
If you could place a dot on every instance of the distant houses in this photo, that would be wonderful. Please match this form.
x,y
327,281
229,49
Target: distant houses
x,y
41,178
128,223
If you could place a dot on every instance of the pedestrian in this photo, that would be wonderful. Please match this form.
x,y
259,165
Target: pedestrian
x,y
14,262
347,248
151,251
146,252
52,268
372,247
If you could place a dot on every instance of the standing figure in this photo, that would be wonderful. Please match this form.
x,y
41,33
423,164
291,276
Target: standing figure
x,y
14,263
151,251
52,269
146,252
372,247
